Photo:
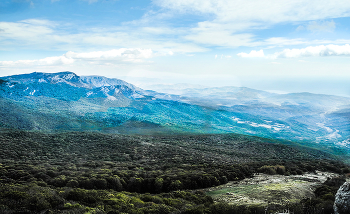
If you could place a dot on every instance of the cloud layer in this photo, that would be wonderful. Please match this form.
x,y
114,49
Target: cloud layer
x,y
226,21
220,23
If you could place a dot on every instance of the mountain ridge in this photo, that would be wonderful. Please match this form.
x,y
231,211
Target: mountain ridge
x,y
69,78
64,101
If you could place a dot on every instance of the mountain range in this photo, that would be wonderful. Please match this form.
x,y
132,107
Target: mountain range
x,y
55,102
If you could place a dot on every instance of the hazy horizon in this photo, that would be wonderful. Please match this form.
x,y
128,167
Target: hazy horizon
x,y
265,45
305,86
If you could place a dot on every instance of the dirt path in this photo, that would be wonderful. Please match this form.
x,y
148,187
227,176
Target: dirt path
x,y
265,189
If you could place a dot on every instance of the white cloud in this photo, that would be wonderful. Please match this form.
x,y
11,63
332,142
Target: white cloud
x,y
48,61
115,56
318,26
321,50
29,29
252,53
281,41
321,26
311,51
220,37
223,56
123,54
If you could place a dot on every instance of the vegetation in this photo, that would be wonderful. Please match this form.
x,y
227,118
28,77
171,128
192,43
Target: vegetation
x,y
101,173
324,200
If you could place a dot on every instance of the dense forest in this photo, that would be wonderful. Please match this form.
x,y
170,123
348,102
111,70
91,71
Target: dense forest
x,y
83,172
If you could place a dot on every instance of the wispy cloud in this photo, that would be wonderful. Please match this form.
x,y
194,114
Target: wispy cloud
x,y
123,54
268,11
26,29
115,56
315,51
318,26
282,41
222,56
311,51
220,37
48,35
252,53
48,61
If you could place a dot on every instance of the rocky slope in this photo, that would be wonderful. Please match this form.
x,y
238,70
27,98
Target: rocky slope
x,y
342,199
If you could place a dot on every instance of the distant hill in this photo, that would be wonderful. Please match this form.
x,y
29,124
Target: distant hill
x,y
56,102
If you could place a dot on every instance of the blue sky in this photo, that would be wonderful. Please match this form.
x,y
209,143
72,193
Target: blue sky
x,y
290,46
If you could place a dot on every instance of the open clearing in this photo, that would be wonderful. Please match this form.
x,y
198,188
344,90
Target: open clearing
x,y
265,189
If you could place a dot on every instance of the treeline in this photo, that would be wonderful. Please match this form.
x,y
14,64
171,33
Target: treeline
x,y
32,198
36,199
137,178
102,187
101,175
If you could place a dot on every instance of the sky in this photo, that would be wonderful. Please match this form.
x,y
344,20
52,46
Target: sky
x,y
275,45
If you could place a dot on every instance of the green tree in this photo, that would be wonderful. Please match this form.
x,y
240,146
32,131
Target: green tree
x,y
158,184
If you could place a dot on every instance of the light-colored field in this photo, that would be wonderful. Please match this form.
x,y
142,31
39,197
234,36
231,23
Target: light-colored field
x,y
265,189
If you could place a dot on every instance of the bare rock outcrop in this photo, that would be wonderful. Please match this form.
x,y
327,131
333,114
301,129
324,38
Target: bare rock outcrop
x,y
342,200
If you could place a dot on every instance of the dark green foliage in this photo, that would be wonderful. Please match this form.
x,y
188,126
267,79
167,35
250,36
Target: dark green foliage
x,y
324,200
272,170
101,173
177,149
29,197
335,182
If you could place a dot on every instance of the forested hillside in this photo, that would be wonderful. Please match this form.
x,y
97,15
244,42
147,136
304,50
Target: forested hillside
x,y
100,173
